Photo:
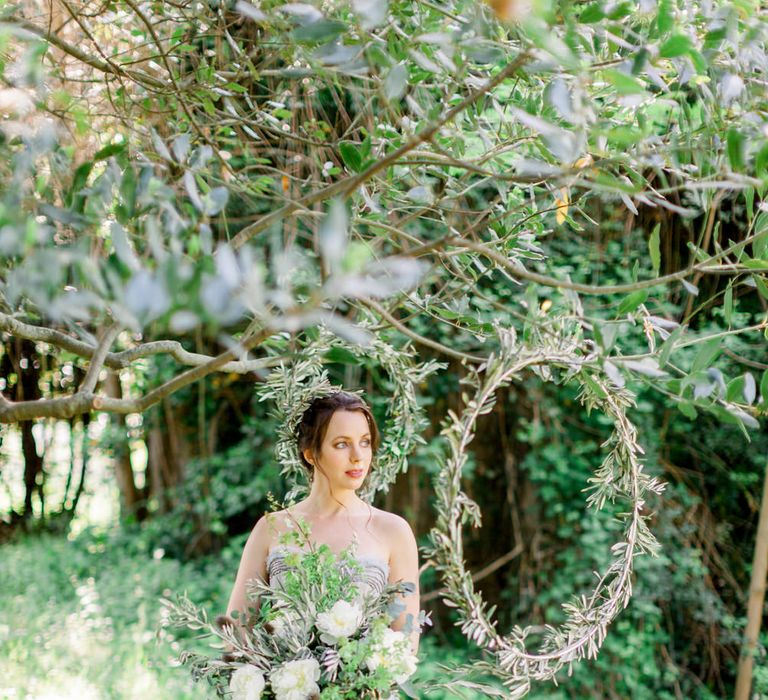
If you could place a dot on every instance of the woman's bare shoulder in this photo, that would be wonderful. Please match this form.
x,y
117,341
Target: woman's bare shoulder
x,y
271,525
391,525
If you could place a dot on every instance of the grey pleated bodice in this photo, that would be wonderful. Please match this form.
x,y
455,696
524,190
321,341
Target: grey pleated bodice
x,y
372,579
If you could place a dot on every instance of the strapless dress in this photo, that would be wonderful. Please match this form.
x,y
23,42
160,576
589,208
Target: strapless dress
x,y
371,580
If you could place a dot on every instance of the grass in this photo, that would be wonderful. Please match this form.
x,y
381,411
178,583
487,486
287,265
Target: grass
x,y
80,619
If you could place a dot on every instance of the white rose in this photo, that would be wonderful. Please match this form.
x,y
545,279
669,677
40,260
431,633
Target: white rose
x,y
342,620
393,653
247,683
296,680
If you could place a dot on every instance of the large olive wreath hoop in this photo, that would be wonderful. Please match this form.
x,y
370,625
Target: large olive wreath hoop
x,y
619,476
294,387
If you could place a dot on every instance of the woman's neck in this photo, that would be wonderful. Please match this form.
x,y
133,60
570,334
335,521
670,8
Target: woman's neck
x,y
322,504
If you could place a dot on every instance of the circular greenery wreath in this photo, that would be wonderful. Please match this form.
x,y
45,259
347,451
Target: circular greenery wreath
x,y
294,387
619,476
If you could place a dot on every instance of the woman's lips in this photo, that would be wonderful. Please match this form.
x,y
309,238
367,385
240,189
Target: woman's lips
x,y
354,473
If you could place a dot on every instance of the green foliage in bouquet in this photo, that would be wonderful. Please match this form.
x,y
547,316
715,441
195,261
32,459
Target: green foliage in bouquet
x,y
315,635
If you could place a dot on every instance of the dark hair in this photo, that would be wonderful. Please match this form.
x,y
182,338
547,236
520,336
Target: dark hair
x,y
313,426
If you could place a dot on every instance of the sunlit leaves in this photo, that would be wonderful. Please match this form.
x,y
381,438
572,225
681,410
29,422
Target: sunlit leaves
x,y
654,250
676,45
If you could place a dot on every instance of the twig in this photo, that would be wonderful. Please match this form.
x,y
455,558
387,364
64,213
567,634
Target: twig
x,y
379,309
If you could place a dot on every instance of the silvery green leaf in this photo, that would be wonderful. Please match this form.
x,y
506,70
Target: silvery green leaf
x,y
420,194
183,321
717,377
181,147
123,248
566,146
537,124
730,87
160,147
226,266
201,156
304,14
559,97
445,61
146,296
441,38
690,288
216,298
380,280
613,373
345,329
253,293
750,388
248,10
748,420
155,239
333,235
191,187
647,366
628,203
423,61
531,167
660,322
371,12
335,54
395,609
215,200
702,389
396,82
206,239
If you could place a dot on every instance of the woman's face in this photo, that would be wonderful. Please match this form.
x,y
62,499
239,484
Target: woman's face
x,y
346,452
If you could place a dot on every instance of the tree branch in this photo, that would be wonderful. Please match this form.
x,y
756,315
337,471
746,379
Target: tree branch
x,y
124,358
518,270
97,360
379,309
83,402
136,75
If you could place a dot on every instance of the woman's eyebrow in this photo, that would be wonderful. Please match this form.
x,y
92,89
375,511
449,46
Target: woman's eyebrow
x,y
349,438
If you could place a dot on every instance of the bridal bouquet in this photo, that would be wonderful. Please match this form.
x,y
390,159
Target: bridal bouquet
x,y
315,637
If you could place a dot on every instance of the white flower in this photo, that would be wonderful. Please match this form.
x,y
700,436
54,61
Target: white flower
x,y
392,638
296,680
393,653
247,683
341,621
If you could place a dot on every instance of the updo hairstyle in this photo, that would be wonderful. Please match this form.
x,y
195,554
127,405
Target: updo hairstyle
x,y
313,426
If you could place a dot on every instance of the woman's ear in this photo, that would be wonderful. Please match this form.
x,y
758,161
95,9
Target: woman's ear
x,y
308,456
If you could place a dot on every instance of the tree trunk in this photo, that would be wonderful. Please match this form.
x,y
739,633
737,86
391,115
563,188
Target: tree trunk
x,y
167,452
23,360
130,496
84,458
33,466
756,599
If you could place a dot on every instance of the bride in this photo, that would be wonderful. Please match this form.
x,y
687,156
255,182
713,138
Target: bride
x,y
337,438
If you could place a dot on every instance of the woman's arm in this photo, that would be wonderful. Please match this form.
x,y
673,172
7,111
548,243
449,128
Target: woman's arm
x,y
404,566
253,564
